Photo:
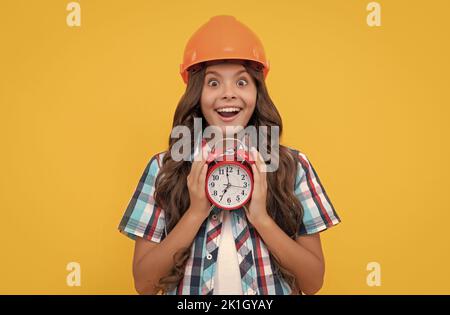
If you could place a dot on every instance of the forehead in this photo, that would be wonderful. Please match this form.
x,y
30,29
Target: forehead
x,y
225,67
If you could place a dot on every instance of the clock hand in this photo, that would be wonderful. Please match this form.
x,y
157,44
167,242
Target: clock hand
x,y
233,186
228,185
224,192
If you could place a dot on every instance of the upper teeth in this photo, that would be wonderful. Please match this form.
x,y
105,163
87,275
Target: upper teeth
x,y
229,109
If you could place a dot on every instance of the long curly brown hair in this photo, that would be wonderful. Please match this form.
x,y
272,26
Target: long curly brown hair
x,y
172,195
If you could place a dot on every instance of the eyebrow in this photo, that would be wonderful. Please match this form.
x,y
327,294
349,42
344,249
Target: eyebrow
x,y
218,74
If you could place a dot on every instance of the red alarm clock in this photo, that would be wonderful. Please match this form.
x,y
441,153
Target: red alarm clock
x,y
229,180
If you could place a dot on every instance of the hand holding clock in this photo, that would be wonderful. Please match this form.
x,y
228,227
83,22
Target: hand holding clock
x,y
257,208
199,203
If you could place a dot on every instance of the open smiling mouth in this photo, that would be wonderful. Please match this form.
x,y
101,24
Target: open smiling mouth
x,y
228,112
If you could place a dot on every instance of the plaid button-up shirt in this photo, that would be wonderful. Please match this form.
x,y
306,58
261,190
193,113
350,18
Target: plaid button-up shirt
x,y
143,218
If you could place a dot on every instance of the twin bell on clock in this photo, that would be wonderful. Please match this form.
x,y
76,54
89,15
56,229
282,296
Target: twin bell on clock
x,y
229,180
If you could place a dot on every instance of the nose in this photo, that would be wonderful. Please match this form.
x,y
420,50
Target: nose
x,y
229,91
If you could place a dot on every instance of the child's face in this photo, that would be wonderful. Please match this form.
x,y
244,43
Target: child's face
x,y
228,86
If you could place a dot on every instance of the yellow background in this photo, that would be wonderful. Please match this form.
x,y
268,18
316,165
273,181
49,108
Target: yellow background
x,y
83,109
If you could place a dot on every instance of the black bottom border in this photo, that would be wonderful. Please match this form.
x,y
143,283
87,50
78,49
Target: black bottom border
x,y
224,304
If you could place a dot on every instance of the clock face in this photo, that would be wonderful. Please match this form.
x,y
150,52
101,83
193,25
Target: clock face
x,y
229,185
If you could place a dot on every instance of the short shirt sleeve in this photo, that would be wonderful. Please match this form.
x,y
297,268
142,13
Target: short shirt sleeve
x,y
142,216
318,211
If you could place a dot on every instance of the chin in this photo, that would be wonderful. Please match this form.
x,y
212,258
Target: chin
x,y
234,127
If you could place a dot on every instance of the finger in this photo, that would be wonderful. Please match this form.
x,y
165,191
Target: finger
x,y
247,142
195,169
256,175
253,156
204,153
202,177
258,160
198,163
262,165
197,151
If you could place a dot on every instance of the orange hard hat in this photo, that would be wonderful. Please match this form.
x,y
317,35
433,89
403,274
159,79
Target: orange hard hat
x,y
223,37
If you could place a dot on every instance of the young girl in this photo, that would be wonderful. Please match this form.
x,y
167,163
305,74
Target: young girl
x,y
183,244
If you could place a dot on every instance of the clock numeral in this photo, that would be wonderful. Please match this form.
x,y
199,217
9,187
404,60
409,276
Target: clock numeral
x,y
229,169
243,177
221,171
215,177
215,193
243,192
212,184
238,171
245,184
228,199
238,198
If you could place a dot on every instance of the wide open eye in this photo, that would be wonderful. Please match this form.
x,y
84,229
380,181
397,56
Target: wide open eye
x,y
243,80
212,80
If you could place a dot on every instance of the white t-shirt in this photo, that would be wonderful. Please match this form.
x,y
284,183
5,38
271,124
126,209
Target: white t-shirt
x,y
227,278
